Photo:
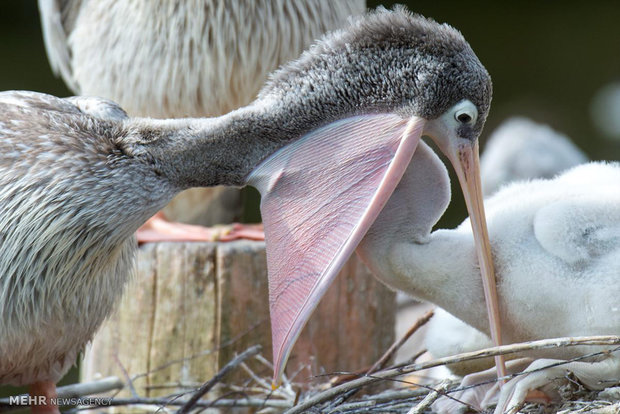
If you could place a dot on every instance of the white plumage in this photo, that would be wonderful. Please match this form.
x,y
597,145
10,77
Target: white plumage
x,y
59,277
173,58
519,149
448,335
556,245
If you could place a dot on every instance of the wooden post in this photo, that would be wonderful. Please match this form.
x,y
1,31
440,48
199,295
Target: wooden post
x,y
191,306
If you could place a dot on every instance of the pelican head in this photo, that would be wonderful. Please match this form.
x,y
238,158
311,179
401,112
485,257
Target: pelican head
x,y
362,97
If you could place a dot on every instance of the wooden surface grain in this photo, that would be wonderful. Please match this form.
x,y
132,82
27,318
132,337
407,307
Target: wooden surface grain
x,y
192,306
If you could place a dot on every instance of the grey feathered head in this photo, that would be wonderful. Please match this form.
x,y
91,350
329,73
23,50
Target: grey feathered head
x,y
387,61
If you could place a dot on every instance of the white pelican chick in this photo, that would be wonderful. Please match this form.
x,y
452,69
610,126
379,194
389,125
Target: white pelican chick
x,y
518,150
521,149
556,246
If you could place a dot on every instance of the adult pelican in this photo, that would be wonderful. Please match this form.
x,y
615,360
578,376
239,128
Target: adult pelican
x,y
325,142
180,58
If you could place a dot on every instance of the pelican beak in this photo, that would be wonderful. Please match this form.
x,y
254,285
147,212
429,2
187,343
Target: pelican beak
x,y
320,194
464,156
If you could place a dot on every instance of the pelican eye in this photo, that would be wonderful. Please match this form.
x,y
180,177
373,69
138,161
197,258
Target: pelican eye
x,y
465,114
464,117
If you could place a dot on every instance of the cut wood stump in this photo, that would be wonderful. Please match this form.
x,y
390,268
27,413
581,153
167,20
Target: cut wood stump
x,y
192,306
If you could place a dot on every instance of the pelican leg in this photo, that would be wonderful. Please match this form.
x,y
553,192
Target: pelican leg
x,y
158,229
479,390
594,375
44,392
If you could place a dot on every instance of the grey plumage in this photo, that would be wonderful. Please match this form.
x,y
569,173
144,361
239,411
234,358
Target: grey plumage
x,y
390,62
67,215
78,177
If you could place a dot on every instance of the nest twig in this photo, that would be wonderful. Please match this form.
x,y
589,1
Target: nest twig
x,y
207,386
391,374
256,392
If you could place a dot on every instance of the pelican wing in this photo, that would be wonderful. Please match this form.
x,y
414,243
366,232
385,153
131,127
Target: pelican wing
x,y
581,229
320,195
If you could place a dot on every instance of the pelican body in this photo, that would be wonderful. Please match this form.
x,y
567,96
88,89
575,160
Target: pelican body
x,y
334,129
555,247
181,58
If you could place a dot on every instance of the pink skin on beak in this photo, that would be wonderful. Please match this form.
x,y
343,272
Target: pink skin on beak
x,y
320,194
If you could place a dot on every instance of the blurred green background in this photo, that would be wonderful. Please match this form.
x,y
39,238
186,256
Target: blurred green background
x,y
547,60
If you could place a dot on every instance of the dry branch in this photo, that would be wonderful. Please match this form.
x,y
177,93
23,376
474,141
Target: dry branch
x,y
488,352
90,388
429,399
218,377
381,362
255,393
221,402
396,345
